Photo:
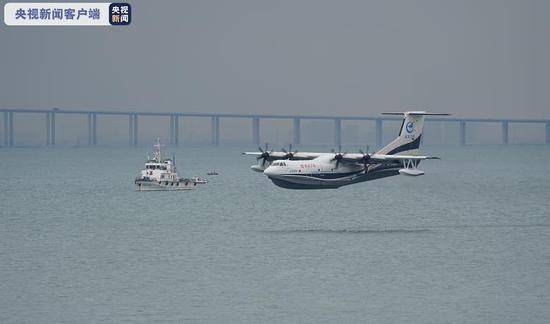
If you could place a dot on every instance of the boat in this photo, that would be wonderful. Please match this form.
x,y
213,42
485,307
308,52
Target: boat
x,y
211,173
198,180
161,174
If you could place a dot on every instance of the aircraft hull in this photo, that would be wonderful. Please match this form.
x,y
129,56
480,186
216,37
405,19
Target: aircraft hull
x,y
292,181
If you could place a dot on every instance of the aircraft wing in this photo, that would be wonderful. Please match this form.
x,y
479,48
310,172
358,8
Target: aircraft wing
x,y
409,162
381,158
391,157
274,155
347,157
271,154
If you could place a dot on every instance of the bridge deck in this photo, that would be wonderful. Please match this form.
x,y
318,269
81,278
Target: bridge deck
x,y
9,125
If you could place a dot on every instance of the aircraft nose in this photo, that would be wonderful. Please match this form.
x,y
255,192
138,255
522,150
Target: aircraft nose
x,y
269,171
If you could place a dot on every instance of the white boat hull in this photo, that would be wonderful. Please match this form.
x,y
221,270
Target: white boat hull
x,y
164,186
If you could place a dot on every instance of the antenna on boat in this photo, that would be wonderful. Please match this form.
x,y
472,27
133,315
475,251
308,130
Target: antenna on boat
x,y
157,150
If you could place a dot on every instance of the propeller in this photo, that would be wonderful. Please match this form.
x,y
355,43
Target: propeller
x,y
366,158
338,156
265,154
289,154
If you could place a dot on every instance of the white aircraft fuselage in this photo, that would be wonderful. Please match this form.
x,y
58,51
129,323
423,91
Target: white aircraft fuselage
x,y
322,173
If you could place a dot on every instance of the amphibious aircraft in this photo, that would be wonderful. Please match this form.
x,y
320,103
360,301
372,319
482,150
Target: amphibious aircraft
x,y
307,170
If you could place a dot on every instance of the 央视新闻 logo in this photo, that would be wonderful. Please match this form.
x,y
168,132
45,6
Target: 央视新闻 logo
x,y
120,13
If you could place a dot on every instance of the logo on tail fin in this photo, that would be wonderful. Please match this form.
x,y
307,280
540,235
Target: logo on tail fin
x,y
410,127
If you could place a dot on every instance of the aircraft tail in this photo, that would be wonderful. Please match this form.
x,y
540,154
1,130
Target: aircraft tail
x,y
410,134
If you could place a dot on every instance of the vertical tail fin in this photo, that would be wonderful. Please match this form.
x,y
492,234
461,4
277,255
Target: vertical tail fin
x,y
410,134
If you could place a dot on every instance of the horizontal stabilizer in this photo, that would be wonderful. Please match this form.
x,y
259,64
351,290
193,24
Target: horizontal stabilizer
x,y
415,113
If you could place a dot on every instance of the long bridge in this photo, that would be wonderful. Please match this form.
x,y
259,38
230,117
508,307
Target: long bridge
x,y
174,121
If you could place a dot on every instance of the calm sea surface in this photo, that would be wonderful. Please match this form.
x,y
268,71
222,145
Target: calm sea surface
x,y
467,242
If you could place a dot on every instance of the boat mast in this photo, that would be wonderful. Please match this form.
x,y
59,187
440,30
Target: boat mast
x,y
157,150
174,162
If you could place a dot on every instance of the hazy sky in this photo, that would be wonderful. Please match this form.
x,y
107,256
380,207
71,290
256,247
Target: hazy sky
x,y
471,58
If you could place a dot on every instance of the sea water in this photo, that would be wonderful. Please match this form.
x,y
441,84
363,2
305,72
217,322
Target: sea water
x,y
467,242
